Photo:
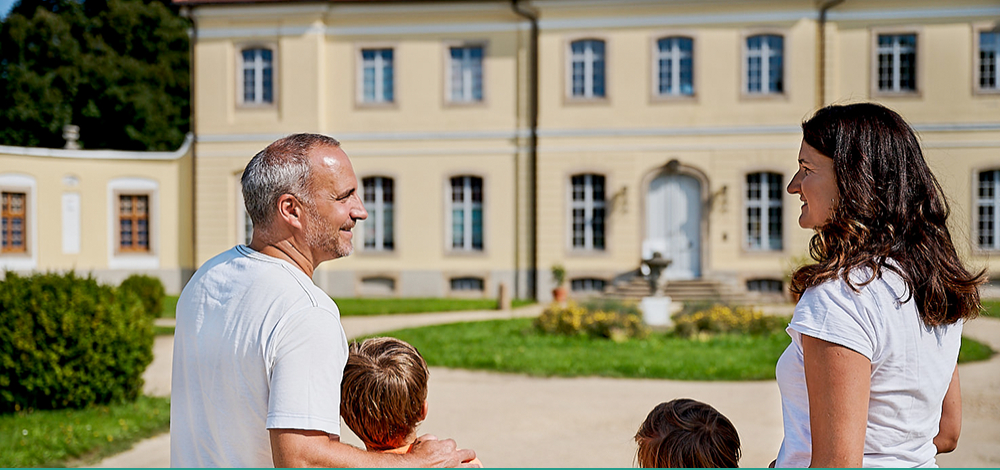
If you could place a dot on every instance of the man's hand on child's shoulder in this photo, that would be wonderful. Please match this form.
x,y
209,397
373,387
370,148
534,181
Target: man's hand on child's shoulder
x,y
434,452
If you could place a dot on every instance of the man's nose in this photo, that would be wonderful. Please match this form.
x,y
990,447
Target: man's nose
x,y
359,212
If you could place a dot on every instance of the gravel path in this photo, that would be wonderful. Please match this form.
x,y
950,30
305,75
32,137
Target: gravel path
x,y
518,421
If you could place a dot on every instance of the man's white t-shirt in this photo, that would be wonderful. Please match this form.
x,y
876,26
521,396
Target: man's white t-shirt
x,y
257,346
911,368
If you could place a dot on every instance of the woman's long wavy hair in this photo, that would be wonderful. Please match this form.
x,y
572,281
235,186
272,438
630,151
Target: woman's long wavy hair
x,y
890,207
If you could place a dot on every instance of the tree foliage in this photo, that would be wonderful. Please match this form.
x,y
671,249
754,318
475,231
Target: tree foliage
x,y
119,69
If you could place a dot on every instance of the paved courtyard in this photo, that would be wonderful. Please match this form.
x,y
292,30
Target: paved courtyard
x,y
518,421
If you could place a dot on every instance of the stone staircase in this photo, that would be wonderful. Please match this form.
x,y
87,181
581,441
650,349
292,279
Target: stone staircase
x,y
635,287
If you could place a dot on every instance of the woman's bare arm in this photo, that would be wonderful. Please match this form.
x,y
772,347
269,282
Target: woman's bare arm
x,y
951,417
838,381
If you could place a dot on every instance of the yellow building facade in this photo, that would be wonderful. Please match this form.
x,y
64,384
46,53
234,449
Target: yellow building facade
x,y
494,140
104,212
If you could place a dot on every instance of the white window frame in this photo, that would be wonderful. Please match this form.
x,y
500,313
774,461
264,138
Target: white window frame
x,y
27,260
588,205
467,207
895,51
978,30
918,68
764,204
258,99
128,260
980,203
588,58
765,53
467,97
378,64
675,55
376,214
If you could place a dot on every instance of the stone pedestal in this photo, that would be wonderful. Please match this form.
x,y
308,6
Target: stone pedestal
x,y
656,311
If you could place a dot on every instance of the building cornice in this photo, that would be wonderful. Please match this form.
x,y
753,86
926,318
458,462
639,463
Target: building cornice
x,y
100,154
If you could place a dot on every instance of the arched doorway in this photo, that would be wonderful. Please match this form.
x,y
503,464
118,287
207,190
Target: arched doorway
x,y
673,224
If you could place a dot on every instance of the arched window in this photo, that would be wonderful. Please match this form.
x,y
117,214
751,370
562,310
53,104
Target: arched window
x,y
587,68
986,206
765,67
674,64
378,228
763,211
467,284
467,213
587,284
588,211
258,76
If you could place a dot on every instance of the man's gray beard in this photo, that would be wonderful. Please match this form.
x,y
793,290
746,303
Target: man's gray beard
x,y
330,243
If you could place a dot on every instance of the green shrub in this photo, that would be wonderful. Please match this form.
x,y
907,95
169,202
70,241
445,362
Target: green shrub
x,y
723,319
612,305
576,320
150,291
67,342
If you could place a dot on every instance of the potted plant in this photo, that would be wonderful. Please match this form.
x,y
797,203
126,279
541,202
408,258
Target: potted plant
x,y
559,277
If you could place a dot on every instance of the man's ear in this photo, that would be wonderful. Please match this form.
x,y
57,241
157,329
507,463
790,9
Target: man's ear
x,y
423,412
290,210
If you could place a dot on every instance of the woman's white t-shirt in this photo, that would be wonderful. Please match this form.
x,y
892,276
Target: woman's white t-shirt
x,y
911,368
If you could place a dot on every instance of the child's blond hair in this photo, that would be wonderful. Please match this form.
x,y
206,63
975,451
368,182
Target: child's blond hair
x,y
383,392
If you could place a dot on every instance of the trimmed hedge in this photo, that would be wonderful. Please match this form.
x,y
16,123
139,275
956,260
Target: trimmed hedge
x,y
68,342
150,291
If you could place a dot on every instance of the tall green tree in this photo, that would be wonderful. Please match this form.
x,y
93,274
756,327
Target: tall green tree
x,y
119,69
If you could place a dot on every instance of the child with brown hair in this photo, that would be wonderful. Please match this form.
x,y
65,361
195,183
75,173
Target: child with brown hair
x,y
685,433
384,394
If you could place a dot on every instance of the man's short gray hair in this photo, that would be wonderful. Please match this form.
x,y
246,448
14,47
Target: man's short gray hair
x,y
281,168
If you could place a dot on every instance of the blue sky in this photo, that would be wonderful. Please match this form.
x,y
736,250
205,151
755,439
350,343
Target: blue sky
x,y
5,6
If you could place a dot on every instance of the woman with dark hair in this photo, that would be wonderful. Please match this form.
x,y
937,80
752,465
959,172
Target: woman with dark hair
x,y
870,377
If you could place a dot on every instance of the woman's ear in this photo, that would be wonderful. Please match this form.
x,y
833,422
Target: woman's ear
x,y
423,412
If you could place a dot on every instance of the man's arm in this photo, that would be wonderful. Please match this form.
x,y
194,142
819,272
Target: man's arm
x,y
951,417
302,448
838,381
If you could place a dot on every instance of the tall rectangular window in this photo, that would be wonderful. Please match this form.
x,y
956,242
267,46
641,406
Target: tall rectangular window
x,y
674,67
763,211
258,76
133,223
897,62
987,203
466,74
377,76
587,68
378,197
588,212
15,222
765,64
467,213
989,49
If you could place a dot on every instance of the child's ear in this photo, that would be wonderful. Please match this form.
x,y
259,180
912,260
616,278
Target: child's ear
x,y
423,412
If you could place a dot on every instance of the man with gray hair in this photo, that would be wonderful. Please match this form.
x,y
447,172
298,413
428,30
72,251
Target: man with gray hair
x,y
259,351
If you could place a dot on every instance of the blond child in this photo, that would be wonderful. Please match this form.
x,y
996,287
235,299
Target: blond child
x,y
685,433
384,394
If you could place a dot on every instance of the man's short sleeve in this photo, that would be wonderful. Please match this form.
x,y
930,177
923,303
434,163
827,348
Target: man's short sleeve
x,y
833,312
310,352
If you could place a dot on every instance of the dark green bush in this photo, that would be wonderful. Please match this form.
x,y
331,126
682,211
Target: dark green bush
x,y
67,342
150,291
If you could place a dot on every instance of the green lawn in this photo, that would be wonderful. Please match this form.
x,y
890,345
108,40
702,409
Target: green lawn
x,y
58,438
515,346
991,308
382,306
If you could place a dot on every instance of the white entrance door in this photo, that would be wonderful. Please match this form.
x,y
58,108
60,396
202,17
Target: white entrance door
x,y
673,224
